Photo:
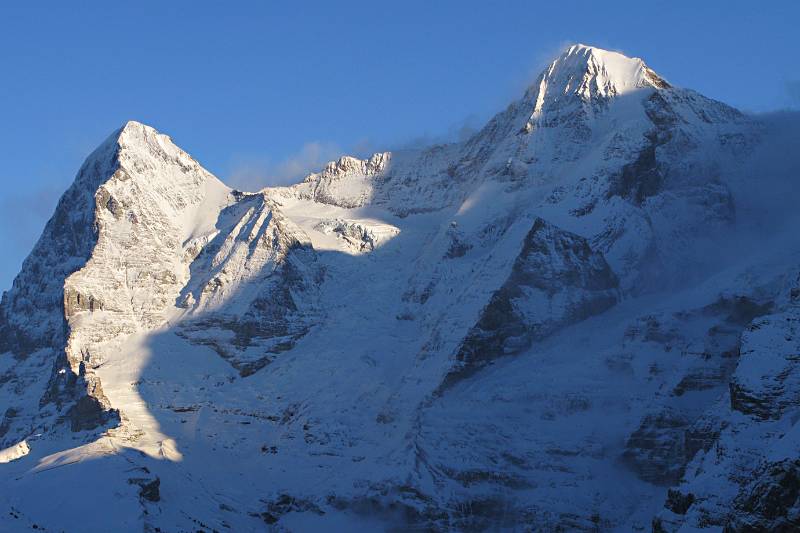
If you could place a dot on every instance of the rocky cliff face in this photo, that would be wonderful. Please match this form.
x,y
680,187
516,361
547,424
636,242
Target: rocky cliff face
x,y
556,280
524,329
745,479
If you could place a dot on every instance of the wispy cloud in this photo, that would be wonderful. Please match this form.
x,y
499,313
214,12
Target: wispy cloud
x,y
253,172
456,132
765,187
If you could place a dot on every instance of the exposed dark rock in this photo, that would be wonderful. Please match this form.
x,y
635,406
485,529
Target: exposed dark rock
x,y
472,477
5,422
656,80
149,489
657,450
641,178
771,503
284,504
651,328
701,436
89,413
556,280
740,310
764,387
658,526
701,379
357,236
62,385
458,247
405,507
678,502
75,302
750,403
766,383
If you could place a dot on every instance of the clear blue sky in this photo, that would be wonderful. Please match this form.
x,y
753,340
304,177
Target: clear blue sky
x,y
260,91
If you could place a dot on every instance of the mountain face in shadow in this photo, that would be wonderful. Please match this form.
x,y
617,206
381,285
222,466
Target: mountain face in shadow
x,y
567,322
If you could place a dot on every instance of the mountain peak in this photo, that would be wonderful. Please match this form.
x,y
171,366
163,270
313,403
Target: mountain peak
x,y
590,73
134,134
613,72
134,127
138,146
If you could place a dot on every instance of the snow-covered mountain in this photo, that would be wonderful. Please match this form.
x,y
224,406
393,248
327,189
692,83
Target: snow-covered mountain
x,y
567,322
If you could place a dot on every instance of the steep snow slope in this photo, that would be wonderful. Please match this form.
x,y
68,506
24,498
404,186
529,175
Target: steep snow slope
x,y
516,331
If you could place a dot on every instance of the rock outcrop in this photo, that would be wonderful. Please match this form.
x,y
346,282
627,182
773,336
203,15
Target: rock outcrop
x,y
556,280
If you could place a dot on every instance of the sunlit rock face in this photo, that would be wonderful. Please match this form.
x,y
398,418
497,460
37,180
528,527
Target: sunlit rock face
x,y
541,327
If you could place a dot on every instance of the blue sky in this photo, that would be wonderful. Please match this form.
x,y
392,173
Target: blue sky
x,y
259,92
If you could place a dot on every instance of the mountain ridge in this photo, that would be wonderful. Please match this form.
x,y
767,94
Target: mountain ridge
x,y
453,337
